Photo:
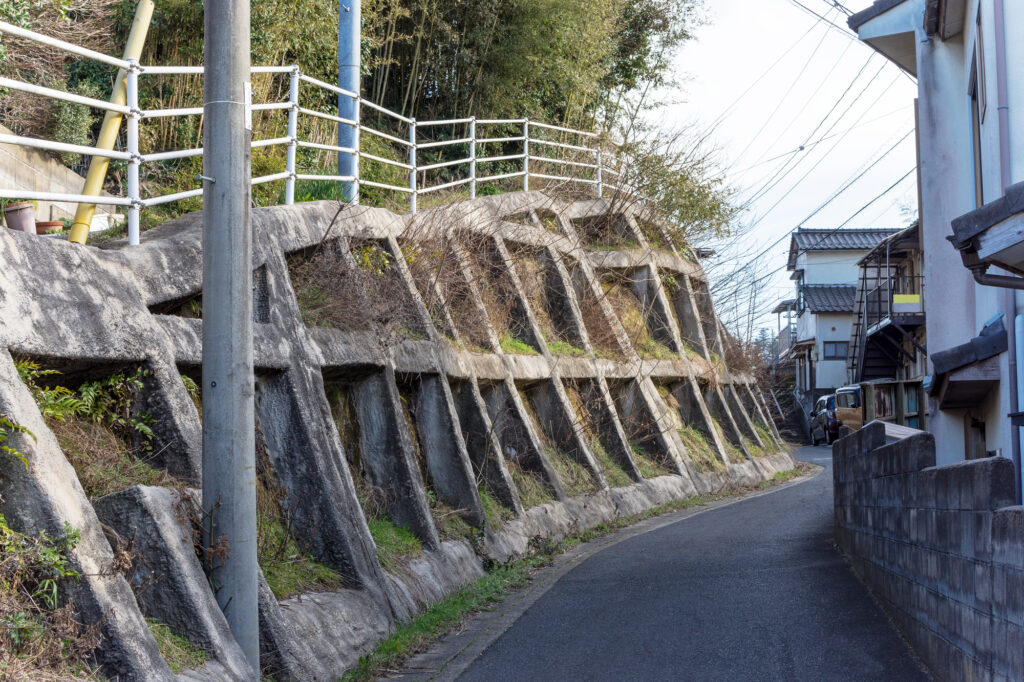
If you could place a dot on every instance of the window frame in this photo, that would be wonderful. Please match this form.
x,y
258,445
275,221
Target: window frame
x,y
836,356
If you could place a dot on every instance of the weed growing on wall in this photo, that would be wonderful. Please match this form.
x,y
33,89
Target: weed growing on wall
x,y
99,430
8,429
395,544
39,637
287,568
533,491
179,653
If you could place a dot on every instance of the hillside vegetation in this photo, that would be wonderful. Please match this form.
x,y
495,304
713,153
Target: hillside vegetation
x,y
578,63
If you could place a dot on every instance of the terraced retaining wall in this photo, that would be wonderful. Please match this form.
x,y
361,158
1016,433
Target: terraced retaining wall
x,y
941,547
549,373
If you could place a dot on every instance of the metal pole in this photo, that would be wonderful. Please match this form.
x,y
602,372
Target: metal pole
x,y
472,158
412,162
293,134
349,13
526,155
132,147
600,184
357,147
229,462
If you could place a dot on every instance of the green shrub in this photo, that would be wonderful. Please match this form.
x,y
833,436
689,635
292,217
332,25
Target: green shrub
x,y
73,123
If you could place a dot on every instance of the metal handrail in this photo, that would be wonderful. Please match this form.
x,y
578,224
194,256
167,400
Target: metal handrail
x,y
418,181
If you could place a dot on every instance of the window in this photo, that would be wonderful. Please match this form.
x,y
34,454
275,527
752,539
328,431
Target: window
x,y
976,113
980,56
835,350
848,399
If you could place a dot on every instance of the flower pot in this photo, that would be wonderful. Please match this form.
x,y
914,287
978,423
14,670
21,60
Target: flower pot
x,y
21,216
46,226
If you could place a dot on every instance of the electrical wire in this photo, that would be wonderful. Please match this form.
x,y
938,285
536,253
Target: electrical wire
x,y
782,172
782,99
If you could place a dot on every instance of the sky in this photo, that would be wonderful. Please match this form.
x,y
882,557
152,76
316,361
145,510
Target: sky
x,y
765,77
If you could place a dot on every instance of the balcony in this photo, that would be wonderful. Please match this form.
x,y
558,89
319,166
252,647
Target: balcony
x,y
897,301
786,339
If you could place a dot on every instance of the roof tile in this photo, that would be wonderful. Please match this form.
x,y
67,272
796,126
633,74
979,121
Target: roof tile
x,y
829,298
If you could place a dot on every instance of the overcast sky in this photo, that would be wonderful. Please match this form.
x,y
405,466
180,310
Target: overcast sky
x,y
825,85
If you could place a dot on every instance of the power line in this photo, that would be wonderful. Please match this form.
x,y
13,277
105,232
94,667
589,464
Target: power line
x,y
824,80
836,229
782,172
729,108
805,147
820,160
782,99
813,213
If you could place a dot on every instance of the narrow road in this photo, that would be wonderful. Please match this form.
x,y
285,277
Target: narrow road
x,y
750,591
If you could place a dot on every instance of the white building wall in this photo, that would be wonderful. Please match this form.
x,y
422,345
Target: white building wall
x,y
831,327
946,192
830,267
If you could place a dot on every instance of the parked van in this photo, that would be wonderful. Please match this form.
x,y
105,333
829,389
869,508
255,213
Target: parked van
x,y
850,407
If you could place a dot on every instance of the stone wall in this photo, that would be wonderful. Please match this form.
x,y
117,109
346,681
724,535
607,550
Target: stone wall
x,y
941,547
438,413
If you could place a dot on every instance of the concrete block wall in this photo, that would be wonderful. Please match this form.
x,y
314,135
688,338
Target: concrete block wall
x,y
33,170
439,414
941,547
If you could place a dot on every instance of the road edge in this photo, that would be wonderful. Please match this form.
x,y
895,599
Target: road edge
x,y
456,651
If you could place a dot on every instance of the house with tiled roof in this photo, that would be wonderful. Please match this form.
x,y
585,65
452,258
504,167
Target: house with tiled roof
x,y
825,268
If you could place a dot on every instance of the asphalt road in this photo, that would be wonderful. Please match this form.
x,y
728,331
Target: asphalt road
x,y
749,591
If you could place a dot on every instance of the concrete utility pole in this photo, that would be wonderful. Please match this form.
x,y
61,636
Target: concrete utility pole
x,y
349,40
229,459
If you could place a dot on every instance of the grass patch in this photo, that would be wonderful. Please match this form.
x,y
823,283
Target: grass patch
x,y
179,653
288,569
565,348
701,453
733,453
648,466
799,470
495,512
575,478
395,544
650,349
442,617
613,473
483,594
533,491
104,463
629,310
515,345
766,437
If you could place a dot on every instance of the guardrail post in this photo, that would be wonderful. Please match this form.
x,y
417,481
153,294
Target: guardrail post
x,y
600,188
412,162
132,147
472,158
526,155
293,134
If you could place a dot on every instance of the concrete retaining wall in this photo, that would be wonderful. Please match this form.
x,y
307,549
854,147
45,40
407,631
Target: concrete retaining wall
x,y
426,416
33,170
941,547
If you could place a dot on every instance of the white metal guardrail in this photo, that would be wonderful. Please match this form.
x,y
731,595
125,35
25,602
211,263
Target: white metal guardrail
x,y
583,161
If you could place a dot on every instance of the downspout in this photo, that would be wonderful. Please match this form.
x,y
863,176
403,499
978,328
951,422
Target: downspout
x,y
1009,295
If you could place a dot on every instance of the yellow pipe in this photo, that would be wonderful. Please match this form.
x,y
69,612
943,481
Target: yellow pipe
x,y
111,124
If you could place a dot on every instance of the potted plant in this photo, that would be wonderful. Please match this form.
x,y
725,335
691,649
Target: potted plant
x,y
48,226
21,216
